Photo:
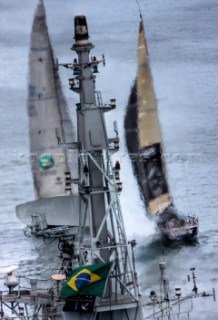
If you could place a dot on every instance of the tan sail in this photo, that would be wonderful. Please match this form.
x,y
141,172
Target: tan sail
x,y
47,110
149,134
148,125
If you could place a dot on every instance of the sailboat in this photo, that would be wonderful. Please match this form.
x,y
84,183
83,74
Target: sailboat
x,y
48,113
145,146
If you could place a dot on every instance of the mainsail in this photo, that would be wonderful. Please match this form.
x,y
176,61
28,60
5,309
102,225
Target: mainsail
x,y
149,135
48,111
144,136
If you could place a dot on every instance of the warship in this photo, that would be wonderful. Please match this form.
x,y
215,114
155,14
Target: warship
x,y
97,277
145,147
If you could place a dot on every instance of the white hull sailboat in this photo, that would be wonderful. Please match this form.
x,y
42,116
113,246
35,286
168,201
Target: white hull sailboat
x,y
48,113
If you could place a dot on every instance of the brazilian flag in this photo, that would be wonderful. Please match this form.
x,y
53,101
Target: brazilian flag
x,y
88,280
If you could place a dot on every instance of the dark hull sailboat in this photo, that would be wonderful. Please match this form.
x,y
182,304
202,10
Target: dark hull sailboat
x,y
145,146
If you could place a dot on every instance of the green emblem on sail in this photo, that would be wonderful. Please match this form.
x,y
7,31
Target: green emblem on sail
x,y
88,280
46,161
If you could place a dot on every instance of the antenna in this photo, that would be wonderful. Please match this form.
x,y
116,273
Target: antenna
x,y
195,288
139,8
115,128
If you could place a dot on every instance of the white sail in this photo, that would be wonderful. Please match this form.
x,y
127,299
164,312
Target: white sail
x,y
47,110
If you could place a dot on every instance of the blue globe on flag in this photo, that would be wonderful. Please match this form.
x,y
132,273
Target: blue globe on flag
x,y
82,280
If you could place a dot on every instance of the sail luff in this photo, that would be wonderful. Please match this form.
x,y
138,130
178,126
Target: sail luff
x,y
47,111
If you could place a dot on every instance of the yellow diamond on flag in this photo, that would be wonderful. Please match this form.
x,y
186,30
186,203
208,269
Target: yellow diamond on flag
x,y
82,279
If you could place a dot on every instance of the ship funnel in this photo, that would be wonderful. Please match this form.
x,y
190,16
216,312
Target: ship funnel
x,y
81,30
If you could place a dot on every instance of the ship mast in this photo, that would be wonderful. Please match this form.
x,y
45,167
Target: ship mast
x,y
101,235
92,143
